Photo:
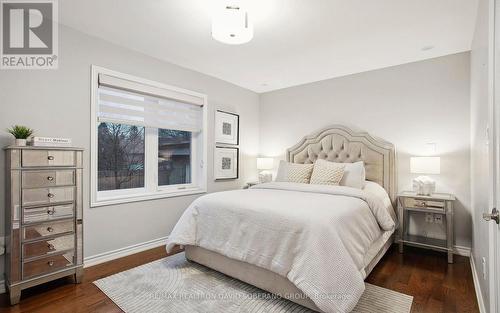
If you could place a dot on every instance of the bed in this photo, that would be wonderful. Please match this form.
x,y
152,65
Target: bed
x,y
313,245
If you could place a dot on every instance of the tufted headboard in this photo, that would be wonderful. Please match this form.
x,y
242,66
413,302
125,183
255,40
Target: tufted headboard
x,y
338,143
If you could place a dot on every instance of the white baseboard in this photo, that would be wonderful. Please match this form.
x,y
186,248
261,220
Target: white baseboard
x,y
477,286
461,250
119,253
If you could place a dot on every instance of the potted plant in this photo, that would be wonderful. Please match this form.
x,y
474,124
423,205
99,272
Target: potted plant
x,y
21,133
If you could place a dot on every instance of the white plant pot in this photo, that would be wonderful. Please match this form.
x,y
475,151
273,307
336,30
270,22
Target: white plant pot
x,y
20,142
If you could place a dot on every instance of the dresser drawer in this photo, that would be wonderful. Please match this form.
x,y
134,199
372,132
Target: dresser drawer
x,y
48,265
48,246
44,214
422,203
40,231
32,158
48,178
41,196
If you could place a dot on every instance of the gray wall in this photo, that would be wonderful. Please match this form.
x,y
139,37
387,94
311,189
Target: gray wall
x,y
481,64
409,105
57,103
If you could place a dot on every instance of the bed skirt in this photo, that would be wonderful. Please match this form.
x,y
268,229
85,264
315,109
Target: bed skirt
x,y
263,278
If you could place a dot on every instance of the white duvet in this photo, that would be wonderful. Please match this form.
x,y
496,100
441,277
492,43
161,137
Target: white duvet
x,y
315,235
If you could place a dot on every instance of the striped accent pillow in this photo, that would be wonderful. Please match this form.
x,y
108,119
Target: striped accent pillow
x,y
327,173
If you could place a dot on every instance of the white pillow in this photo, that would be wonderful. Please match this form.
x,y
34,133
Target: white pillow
x,y
294,172
354,175
327,173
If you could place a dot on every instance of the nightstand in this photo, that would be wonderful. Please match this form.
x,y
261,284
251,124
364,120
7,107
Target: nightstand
x,y
439,203
250,184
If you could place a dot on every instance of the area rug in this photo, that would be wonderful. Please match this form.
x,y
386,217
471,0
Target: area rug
x,y
176,285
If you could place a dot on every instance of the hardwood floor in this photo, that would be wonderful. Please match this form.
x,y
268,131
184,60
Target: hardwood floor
x,y
435,285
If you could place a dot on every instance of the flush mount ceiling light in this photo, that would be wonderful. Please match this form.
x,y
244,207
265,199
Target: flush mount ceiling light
x,y
231,24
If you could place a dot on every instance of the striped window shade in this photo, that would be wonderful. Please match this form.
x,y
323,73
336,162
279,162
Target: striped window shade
x,y
126,102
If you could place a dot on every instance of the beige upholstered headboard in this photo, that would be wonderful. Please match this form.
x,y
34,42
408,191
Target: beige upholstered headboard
x,y
338,143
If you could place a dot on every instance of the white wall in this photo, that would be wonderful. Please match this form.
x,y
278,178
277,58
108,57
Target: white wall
x,y
481,65
57,103
409,105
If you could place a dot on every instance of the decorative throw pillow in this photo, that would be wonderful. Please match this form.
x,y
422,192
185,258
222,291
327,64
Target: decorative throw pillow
x,y
294,172
327,173
354,175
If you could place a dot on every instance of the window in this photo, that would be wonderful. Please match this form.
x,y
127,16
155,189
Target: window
x,y
148,139
174,157
120,152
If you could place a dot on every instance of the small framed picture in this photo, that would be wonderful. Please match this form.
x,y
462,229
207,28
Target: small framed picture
x,y
227,128
226,161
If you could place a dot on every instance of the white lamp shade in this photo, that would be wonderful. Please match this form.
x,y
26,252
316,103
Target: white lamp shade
x,y
425,165
265,163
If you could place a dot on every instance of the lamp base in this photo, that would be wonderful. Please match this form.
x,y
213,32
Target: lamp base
x,y
424,186
265,177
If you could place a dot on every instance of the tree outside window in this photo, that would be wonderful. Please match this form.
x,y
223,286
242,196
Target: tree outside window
x,y
120,156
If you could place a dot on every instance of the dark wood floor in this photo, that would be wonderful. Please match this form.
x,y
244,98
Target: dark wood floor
x,y
435,285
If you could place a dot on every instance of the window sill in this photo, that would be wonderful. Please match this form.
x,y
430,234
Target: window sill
x,y
145,197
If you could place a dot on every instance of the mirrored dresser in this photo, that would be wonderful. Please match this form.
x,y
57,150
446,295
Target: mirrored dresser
x,y
43,216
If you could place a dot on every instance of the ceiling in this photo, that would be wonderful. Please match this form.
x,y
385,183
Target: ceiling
x,y
295,41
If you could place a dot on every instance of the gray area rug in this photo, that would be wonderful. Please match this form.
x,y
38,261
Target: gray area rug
x,y
175,285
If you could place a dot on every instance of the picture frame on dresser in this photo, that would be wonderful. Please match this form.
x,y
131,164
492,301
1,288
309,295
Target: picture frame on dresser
x,y
226,163
227,128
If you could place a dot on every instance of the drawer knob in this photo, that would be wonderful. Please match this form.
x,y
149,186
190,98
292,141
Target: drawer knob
x,y
50,178
50,195
50,229
50,263
51,211
51,247
50,157
421,204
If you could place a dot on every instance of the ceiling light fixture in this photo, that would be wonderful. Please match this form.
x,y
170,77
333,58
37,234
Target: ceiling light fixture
x,y
231,23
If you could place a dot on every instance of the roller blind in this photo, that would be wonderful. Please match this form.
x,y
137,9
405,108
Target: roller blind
x,y
126,102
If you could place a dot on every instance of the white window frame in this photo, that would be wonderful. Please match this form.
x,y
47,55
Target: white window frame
x,y
151,190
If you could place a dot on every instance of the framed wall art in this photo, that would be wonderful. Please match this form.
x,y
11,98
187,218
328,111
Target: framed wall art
x,y
227,128
226,161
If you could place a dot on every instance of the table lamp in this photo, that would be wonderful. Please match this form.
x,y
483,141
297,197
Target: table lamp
x,y
425,185
264,165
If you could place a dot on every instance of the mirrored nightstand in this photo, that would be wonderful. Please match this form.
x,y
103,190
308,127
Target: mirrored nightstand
x,y
250,184
438,203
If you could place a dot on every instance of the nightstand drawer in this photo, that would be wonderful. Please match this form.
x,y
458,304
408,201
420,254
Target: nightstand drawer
x,y
423,203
